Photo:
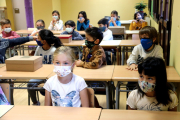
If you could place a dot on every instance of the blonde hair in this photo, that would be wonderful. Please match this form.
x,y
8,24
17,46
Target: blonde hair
x,y
66,50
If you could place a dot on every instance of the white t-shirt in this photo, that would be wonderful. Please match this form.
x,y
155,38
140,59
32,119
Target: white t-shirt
x,y
65,95
149,103
107,35
34,31
139,54
46,54
57,26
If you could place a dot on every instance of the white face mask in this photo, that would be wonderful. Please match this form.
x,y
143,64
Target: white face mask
x,y
7,30
56,17
62,71
69,30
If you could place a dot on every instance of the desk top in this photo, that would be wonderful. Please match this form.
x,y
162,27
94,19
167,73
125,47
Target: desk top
x,y
41,73
126,22
122,74
130,43
132,31
109,43
138,115
72,43
102,74
51,113
2,65
4,109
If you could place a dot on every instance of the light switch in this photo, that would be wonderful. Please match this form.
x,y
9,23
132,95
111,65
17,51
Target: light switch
x,y
16,10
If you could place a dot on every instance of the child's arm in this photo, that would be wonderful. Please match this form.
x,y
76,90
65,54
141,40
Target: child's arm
x,y
14,35
59,26
50,26
77,36
132,60
129,108
79,25
85,26
48,101
84,98
118,23
131,27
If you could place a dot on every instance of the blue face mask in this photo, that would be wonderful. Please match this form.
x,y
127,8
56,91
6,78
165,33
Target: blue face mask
x,y
39,43
146,43
56,17
114,18
7,30
102,28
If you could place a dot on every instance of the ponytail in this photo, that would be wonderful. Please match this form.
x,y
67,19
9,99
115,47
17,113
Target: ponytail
x,y
50,38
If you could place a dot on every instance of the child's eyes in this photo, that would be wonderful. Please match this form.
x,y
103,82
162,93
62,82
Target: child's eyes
x,y
57,62
65,63
150,79
141,76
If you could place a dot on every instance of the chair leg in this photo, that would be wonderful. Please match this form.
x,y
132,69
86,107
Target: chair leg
x,y
37,96
28,99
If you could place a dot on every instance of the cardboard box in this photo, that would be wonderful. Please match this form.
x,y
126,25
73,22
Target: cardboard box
x,y
65,38
119,30
24,63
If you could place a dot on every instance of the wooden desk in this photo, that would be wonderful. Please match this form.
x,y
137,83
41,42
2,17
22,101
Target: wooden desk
x,y
103,74
51,113
121,74
126,23
138,115
2,65
127,43
41,73
4,109
131,32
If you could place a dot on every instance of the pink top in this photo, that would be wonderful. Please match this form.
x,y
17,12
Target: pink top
x,y
10,35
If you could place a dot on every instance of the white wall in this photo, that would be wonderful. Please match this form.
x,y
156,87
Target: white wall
x,y
19,18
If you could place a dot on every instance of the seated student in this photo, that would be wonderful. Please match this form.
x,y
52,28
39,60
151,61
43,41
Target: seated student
x,y
148,48
153,93
40,25
7,31
47,44
83,21
70,26
138,22
103,26
6,43
114,21
93,55
56,23
65,89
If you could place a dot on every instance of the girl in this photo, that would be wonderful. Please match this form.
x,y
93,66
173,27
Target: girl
x,y
138,22
56,23
65,88
148,48
46,50
114,21
40,25
153,93
83,21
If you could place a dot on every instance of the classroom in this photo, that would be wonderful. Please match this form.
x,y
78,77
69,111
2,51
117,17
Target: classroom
x,y
89,59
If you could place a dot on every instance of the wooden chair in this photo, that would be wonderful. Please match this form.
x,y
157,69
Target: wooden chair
x,y
6,89
118,30
91,96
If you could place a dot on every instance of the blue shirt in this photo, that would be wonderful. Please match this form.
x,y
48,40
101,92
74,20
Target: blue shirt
x,y
118,23
82,26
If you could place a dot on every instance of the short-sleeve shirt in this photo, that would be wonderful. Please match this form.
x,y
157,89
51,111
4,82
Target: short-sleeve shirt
x,y
65,95
135,101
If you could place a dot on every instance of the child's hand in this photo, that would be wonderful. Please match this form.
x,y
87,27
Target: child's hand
x,y
112,19
79,20
78,63
82,20
133,67
34,38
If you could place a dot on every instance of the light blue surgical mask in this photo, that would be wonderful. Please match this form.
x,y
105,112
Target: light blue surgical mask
x,y
56,17
7,30
81,18
114,18
69,30
146,43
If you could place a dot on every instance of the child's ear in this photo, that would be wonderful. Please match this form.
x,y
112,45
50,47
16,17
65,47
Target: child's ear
x,y
97,41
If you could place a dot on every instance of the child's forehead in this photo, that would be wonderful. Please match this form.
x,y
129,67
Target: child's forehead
x,y
63,57
6,25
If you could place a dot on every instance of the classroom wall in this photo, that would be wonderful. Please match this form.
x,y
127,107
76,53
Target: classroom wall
x,y
97,9
56,5
2,3
42,11
154,23
10,15
175,37
19,18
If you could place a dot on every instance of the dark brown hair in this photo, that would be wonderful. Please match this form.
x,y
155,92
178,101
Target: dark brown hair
x,y
5,21
150,31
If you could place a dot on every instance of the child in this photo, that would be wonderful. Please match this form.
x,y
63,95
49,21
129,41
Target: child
x,y
65,89
148,48
83,21
153,93
46,50
6,43
114,21
40,25
70,26
93,55
56,23
138,22
103,26
7,31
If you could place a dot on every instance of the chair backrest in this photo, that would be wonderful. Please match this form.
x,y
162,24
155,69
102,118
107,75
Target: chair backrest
x,y
135,37
6,89
91,96
32,29
90,25
119,30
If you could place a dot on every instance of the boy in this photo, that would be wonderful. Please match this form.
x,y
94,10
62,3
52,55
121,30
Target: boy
x,y
7,31
103,26
6,43
70,26
93,55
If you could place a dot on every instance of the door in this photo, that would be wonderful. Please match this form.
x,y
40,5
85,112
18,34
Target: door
x,y
29,13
